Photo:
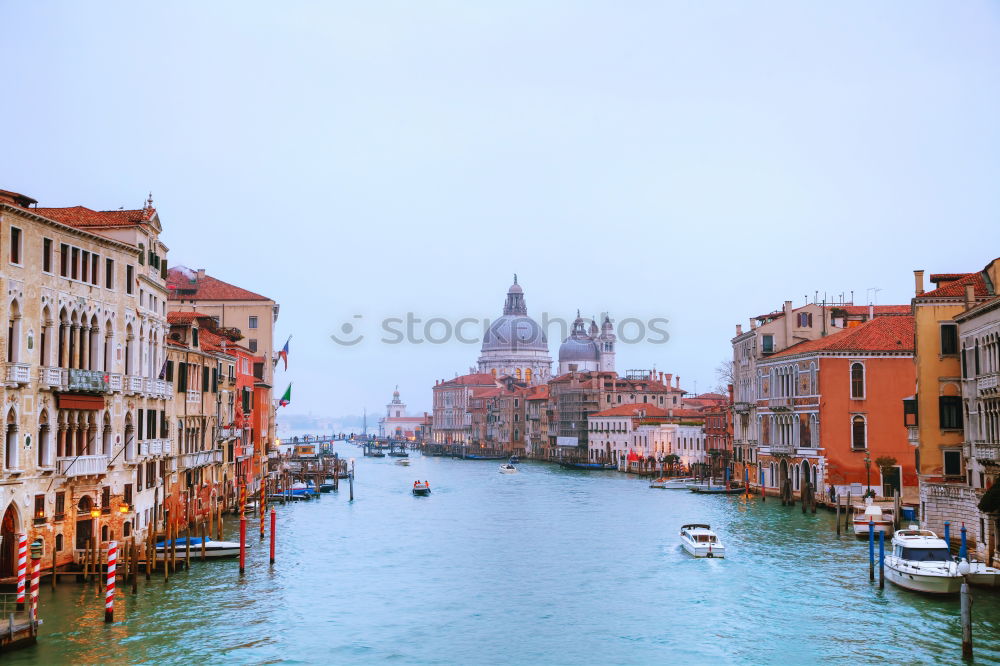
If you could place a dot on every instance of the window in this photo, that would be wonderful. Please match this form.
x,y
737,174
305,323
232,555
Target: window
x,y
106,499
857,381
252,345
127,495
194,337
74,262
63,260
15,245
39,509
129,278
142,254
60,505
949,339
47,255
767,343
109,274
858,432
95,266
138,478
59,542
950,408
252,323
952,462
805,320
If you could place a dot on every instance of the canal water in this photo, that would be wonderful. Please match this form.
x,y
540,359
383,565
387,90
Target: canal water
x,y
547,566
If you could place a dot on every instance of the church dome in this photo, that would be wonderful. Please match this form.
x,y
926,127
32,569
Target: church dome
x,y
515,331
576,351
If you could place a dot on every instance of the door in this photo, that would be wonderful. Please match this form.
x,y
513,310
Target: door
x,y
84,523
892,484
8,542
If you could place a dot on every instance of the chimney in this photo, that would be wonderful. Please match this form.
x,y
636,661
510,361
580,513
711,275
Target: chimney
x,y
788,323
739,329
201,274
871,311
918,279
678,381
668,377
970,296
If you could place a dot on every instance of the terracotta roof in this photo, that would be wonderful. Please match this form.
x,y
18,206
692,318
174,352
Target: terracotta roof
x,y
878,309
955,286
185,317
540,392
475,379
81,216
886,333
633,410
207,288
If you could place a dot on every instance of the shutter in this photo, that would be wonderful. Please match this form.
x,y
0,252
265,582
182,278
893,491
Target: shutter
x,y
163,269
204,379
181,377
142,254
138,478
139,430
163,424
215,380
170,371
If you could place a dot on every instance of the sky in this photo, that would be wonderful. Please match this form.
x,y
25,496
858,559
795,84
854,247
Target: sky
x,y
699,163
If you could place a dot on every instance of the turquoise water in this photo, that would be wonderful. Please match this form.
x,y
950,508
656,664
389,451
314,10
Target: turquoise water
x,y
547,566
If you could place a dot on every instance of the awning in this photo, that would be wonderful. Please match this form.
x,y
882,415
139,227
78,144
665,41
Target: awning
x,y
80,401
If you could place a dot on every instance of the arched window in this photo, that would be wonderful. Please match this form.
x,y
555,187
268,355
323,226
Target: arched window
x,y
59,542
517,374
858,433
527,375
104,533
127,529
857,381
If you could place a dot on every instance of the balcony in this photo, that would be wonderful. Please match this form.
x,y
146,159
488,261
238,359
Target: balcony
x,y
782,448
133,385
115,382
54,379
983,451
151,447
742,407
200,458
913,434
193,396
89,381
18,374
988,383
83,466
230,433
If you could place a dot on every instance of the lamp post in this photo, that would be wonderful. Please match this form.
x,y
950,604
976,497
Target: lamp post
x,y
868,471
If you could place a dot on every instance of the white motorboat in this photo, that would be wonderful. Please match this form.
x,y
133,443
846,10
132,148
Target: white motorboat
x,y
668,483
873,513
508,469
700,541
982,574
212,548
920,561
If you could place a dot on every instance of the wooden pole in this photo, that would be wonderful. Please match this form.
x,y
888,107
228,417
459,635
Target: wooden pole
x,y
149,556
871,550
881,560
847,510
274,525
187,547
838,515
243,544
805,495
204,538
134,580
166,554
897,507
966,622
218,523
54,575
99,570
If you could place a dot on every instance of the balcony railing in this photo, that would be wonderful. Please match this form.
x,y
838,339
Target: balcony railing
x,y
782,448
987,383
200,458
90,381
742,407
18,373
193,396
83,465
151,447
912,434
133,384
984,451
115,382
53,378
230,433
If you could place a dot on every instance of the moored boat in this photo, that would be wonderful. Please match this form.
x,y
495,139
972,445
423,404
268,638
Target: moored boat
x,y
920,561
699,540
585,466
668,483
213,548
880,518
709,489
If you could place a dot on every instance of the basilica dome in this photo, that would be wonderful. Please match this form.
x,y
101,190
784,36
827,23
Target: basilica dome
x,y
515,331
579,347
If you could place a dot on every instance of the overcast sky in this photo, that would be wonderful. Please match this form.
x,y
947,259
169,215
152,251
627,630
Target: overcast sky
x,y
678,160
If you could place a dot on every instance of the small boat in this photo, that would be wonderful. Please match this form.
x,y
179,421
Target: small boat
x,y
325,487
709,489
421,488
700,541
982,574
881,518
920,561
376,454
586,466
669,483
473,456
508,469
212,548
398,454
403,461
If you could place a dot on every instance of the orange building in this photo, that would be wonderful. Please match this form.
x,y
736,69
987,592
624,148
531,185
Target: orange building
x,y
831,414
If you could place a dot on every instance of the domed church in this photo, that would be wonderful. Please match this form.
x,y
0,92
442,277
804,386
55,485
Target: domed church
x,y
587,349
515,345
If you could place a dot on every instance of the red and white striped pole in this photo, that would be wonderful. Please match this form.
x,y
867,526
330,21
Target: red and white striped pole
x,y
36,567
109,594
22,563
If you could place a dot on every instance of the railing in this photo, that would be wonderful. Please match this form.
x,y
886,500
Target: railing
x,y
987,382
91,381
53,378
782,448
200,458
742,406
151,447
983,451
115,382
83,465
229,433
912,434
133,384
18,373
193,396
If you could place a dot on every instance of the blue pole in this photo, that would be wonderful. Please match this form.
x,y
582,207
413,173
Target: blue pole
x,y
871,550
963,552
881,560
947,534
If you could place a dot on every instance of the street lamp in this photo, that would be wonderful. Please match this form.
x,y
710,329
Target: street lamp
x,y
868,471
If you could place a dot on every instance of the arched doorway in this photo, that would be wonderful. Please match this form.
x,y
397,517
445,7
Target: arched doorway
x,y
8,541
806,476
84,523
782,474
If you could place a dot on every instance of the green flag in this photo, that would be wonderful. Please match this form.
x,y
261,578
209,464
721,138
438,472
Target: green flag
x,y
287,398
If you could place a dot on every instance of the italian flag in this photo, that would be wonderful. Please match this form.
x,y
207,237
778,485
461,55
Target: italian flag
x,y
287,398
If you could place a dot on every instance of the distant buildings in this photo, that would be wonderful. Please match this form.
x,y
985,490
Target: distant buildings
x,y
397,424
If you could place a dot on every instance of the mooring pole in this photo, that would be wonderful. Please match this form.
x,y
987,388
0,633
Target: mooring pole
x,y
243,544
274,525
966,622
881,560
871,550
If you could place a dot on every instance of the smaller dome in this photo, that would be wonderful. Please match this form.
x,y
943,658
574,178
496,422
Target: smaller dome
x,y
515,289
576,350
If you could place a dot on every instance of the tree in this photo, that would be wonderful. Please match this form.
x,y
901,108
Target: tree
x,y
671,459
724,374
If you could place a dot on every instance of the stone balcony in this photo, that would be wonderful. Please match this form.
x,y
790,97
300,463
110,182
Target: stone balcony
x,y
199,458
55,379
87,381
742,407
132,384
230,433
913,434
984,451
988,383
782,448
18,374
83,466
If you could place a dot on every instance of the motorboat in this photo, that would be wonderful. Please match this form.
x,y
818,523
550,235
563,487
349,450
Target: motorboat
x,y
669,483
709,489
421,488
586,466
399,454
873,513
403,461
983,575
213,548
508,469
921,561
700,541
